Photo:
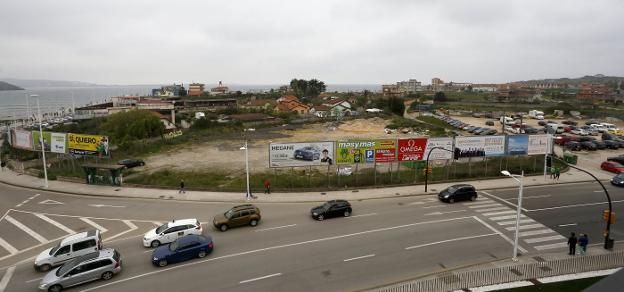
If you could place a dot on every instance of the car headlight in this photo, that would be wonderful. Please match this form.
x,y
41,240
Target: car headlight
x,y
43,286
155,258
315,214
446,196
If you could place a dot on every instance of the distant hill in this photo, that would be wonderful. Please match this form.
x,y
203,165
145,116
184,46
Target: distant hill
x,y
598,78
9,86
26,83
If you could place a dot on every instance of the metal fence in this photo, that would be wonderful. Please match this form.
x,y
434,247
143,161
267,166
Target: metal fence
x,y
470,279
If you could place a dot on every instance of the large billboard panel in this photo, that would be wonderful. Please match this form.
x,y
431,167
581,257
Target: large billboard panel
x,y
412,149
517,144
59,143
538,144
81,144
365,151
438,154
21,139
479,146
494,145
47,141
301,154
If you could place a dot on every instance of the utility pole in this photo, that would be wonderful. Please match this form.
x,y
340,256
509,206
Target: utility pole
x,y
45,167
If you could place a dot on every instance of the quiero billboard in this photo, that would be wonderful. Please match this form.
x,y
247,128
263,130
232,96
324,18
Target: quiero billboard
x,y
438,154
412,149
477,146
81,144
538,144
21,139
301,154
365,151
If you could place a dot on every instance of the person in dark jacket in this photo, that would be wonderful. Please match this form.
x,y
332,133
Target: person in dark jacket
x,y
182,190
572,243
582,242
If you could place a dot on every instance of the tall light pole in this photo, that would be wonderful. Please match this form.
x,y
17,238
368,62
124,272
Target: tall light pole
x,y
519,207
246,148
45,167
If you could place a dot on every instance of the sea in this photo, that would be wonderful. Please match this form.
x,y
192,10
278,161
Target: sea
x,y
56,101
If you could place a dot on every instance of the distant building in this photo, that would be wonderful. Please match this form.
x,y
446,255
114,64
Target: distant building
x,y
595,92
166,121
260,104
484,87
402,88
221,89
207,104
175,90
290,103
93,111
338,107
437,84
195,89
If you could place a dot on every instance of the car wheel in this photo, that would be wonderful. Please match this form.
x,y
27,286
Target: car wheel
x,y
44,268
473,198
155,243
223,227
142,164
162,263
107,276
253,223
451,200
347,213
320,218
55,288
201,254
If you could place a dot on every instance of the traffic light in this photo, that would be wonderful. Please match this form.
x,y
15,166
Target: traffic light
x,y
605,216
548,161
427,170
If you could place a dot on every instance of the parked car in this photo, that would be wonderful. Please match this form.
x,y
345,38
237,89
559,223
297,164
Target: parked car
x,y
130,163
579,131
240,215
70,247
491,132
618,180
611,144
612,166
333,208
183,249
171,231
568,122
478,132
573,146
600,145
308,153
489,123
102,264
458,192
593,121
618,159
588,145
542,123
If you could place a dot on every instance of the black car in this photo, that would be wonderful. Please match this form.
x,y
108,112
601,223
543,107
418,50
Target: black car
x,y
333,208
489,123
542,123
588,145
130,163
618,159
458,193
600,145
307,153
611,144
573,146
618,180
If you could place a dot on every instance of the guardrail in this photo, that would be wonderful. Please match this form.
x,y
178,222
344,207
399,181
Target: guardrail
x,y
470,279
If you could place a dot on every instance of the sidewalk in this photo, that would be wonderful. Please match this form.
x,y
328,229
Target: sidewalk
x,y
23,180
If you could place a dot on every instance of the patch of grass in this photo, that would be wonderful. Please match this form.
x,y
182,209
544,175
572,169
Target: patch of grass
x,y
567,286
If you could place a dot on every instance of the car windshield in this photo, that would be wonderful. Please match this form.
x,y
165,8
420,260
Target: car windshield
x,y
326,206
620,176
66,267
228,214
162,228
54,249
174,245
451,189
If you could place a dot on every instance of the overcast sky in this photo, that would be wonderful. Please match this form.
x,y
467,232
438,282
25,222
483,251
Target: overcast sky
x,y
339,42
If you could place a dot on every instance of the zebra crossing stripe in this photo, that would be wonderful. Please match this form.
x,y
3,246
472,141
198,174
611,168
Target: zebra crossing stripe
x,y
551,246
55,223
26,229
97,226
485,205
8,246
499,213
546,238
480,202
535,232
510,222
492,209
506,217
528,226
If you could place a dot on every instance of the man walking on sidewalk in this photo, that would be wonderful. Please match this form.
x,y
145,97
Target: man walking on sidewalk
x,y
182,190
572,244
557,173
583,241
267,186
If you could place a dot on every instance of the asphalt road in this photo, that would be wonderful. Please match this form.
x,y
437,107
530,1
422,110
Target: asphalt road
x,y
383,241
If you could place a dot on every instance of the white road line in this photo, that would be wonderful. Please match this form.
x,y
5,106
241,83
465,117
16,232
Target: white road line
x,y
493,209
36,195
504,286
447,212
573,206
450,240
76,216
25,228
6,278
535,232
598,191
5,213
18,205
503,200
530,197
157,223
528,226
59,225
34,280
278,227
570,224
486,205
545,238
260,278
577,276
12,250
480,202
499,233
357,258
506,217
97,226
363,215
436,206
510,222
499,213
551,246
132,228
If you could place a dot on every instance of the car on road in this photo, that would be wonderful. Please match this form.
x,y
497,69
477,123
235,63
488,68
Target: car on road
x,y
612,166
183,249
618,180
103,264
307,153
573,146
130,163
333,208
240,215
458,192
171,231
69,248
618,159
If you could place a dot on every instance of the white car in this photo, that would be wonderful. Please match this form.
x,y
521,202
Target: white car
x,y
579,131
171,231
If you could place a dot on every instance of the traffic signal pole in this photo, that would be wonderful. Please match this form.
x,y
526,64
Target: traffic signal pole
x,y
427,165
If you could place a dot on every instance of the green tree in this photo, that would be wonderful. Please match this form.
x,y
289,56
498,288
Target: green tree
x,y
132,125
311,88
439,97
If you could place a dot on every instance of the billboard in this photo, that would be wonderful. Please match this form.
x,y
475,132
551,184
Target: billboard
x,y
538,144
479,146
411,149
47,141
365,151
446,143
21,139
517,145
59,143
301,154
81,144
494,145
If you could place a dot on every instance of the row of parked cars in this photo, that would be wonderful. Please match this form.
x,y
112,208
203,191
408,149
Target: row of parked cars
x,y
576,143
82,258
467,127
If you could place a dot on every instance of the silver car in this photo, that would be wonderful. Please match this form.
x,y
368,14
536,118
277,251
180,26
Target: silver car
x,y
98,265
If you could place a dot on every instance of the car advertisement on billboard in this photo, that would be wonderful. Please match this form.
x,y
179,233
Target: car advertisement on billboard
x,y
365,151
47,141
517,144
538,144
21,139
468,146
439,154
301,154
411,149
52,142
93,145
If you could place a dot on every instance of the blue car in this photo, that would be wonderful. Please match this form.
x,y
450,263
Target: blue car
x,y
618,180
307,153
184,248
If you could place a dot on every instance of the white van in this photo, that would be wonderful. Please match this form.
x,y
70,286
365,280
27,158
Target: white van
x,y
598,127
72,246
556,128
610,127
506,120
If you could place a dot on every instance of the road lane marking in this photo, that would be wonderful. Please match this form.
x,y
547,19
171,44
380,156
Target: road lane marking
x,y
440,213
127,222
34,280
97,226
503,200
50,202
505,217
12,250
485,205
436,206
260,278
59,225
551,246
278,227
107,206
601,191
274,248
363,215
79,217
493,209
569,224
545,238
535,232
357,258
510,222
499,233
6,278
531,197
480,202
499,213
25,228
523,227
450,240
573,206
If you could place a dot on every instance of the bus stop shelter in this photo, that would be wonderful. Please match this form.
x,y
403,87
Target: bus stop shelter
x,y
103,174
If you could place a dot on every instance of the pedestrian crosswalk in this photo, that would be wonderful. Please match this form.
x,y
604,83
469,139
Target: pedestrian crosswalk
x,y
531,232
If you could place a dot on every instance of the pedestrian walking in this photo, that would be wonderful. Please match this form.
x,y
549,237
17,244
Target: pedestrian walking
x,y
267,186
583,241
557,173
182,190
2,165
572,244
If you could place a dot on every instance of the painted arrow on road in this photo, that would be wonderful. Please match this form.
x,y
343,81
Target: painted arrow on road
x,y
50,202
440,213
107,206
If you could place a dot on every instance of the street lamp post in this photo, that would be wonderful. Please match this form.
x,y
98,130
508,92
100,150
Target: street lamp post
x,y
45,167
427,166
518,209
246,148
